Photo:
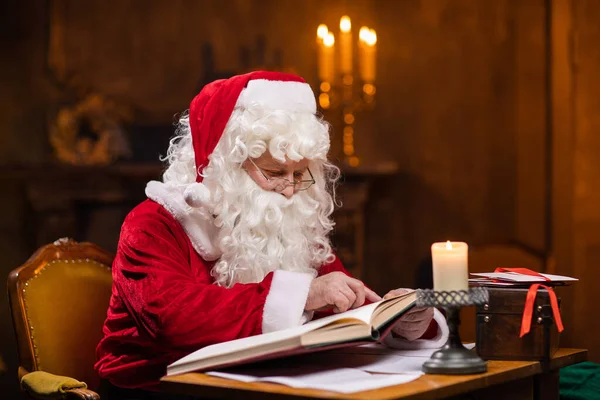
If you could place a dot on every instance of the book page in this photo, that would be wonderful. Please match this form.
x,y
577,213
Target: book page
x,y
361,314
390,309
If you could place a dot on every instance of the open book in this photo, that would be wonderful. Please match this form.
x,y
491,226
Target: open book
x,y
370,323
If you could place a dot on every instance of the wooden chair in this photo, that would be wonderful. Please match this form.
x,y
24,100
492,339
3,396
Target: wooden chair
x,y
58,301
486,258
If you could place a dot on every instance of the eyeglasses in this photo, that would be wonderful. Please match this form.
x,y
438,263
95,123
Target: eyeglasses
x,y
279,184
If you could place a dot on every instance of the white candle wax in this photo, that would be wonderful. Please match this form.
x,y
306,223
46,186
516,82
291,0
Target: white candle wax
x,y
345,45
450,266
369,61
346,53
326,59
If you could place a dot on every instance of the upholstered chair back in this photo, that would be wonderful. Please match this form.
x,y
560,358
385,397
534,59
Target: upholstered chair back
x,y
58,301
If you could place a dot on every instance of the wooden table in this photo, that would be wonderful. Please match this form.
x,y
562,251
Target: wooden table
x,y
519,379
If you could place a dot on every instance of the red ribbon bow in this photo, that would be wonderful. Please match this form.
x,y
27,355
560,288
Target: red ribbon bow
x,y
530,301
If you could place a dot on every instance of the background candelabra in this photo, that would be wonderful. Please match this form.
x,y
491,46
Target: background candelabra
x,y
340,89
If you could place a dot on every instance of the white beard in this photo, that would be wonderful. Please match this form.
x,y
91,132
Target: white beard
x,y
262,231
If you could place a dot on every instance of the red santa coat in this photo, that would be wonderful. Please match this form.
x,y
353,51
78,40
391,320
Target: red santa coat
x,y
164,304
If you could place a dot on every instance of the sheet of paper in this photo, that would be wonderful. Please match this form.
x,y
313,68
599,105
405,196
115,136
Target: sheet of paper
x,y
514,277
346,370
375,359
344,380
489,282
380,349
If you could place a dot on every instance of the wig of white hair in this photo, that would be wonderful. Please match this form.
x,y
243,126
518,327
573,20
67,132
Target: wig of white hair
x,y
261,231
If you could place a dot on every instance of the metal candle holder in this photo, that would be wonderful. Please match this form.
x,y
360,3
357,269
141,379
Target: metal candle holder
x,y
453,358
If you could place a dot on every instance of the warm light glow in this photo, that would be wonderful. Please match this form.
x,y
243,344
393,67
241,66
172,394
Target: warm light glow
x,y
322,31
347,79
354,161
371,39
348,130
329,40
364,33
324,100
349,119
348,149
325,86
448,245
345,24
369,89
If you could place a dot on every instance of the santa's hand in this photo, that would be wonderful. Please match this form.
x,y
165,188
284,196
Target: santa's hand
x,y
414,323
338,290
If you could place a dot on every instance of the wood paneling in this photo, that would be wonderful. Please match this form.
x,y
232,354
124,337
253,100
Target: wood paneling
x,y
578,166
462,111
466,99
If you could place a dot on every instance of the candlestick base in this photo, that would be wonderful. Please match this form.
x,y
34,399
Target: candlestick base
x,y
454,361
453,358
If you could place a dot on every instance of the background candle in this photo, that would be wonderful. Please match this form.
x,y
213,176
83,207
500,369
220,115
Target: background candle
x,y
326,58
450,266
345,45
367,49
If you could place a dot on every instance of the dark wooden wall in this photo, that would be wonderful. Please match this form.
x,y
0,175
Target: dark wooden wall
x,y
470,96
576,167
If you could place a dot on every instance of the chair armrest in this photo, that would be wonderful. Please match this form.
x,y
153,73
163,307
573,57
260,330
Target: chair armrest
x,y
82,394
45,386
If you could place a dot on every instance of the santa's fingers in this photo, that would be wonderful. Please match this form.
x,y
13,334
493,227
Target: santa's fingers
x,y
371,295
343,299
360,298
419,314
357,285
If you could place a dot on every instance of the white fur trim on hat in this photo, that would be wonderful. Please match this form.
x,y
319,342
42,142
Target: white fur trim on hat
x,y
279,95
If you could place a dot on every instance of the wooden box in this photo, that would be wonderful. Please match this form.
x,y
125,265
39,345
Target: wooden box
x,y
498,325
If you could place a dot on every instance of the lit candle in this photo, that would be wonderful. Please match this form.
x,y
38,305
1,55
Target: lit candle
x,y
367,45
326,58
450,266
345,45
322,31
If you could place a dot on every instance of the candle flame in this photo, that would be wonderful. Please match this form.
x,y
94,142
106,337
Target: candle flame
x,y
372,38
322,31
364,33
329,40
448,245
367,35
345,24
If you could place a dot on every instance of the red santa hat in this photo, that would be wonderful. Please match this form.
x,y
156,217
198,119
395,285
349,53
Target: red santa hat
x,y
212,107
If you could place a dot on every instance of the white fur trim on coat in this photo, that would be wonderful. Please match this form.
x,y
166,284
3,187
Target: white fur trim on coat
x,y
438,341
278,95
199,229
284,307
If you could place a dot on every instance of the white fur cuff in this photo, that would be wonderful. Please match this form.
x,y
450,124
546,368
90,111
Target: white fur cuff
x,y
284,307
438,341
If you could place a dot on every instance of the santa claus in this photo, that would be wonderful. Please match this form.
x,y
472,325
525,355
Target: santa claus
x,y
234,241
